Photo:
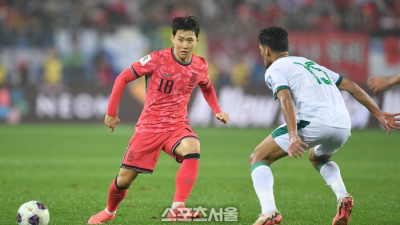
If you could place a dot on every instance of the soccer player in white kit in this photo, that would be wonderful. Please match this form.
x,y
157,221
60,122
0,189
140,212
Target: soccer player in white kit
x,y
316,118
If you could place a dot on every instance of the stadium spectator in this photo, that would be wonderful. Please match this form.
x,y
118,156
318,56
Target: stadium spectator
x,y
240,72
3,74
171,76
213,71
5,103
378,84
20,78
103,70
316,119
25,26
52,68
13,105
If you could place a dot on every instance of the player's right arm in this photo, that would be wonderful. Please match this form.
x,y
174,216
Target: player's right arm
x,y
145,65
388,120
296,145
111,119
277,81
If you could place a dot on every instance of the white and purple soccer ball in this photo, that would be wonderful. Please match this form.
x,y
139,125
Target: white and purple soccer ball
x,y
33,213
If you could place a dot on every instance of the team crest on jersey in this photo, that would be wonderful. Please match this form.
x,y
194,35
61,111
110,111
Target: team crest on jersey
x,y
130,156
145,60
193,80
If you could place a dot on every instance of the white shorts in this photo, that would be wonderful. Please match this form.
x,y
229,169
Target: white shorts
x,y
326,140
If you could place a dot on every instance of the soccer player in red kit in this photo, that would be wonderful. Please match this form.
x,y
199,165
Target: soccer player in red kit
x,y
171,75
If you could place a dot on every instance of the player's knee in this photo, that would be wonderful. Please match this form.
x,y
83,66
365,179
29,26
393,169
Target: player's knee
x,y
262,155
313,159
255,157
194,149
189,149
316,160
123,182
251,159
188,146
311,156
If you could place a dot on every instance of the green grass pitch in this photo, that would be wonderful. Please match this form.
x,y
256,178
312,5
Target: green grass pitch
x,y
70,167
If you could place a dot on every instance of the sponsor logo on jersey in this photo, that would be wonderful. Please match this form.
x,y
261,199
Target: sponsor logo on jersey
x,y
145,60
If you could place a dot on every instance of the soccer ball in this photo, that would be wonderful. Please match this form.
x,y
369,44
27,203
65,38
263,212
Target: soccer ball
x,y
33,213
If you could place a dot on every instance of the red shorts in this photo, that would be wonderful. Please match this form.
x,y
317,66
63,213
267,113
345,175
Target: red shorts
x,y
144,148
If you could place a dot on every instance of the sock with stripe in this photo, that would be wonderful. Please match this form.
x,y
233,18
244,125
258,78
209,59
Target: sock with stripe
x,y
263,182
115,196
330,171
186,177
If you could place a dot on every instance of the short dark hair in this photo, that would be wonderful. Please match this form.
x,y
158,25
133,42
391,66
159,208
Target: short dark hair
x,y
185,23
274,37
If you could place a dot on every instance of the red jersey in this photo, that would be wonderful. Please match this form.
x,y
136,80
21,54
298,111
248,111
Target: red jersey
x,y
169,83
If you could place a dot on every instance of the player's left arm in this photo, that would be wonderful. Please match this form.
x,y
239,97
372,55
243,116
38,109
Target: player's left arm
x,y
296,145
211,97
388,120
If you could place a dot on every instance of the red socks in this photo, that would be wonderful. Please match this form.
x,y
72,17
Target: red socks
x,y
115,196
185,180
186,177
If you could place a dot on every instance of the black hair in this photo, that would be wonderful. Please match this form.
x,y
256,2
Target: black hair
x,y
185,23
274,37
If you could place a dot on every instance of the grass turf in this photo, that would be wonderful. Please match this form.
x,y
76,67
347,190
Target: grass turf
x,y
70,167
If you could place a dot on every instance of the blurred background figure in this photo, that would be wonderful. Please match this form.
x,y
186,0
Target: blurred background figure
x,y
12,105
5,103
3,74
103,70
81,46
240,72
52,68
378,84
76,31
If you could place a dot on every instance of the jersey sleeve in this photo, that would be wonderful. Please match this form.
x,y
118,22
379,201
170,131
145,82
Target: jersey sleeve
x,y
123,78
276,81
210,96
336,78
204,79
208,90
145,65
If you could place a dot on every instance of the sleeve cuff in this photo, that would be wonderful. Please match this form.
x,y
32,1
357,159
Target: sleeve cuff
x,y
280,88
339,81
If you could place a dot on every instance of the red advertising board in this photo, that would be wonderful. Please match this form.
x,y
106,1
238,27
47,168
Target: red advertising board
x,y
345,53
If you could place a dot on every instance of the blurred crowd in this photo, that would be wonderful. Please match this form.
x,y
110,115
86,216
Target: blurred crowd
x,y
89,42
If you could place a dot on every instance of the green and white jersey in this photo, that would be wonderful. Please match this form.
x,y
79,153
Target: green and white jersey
x,y
314,90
